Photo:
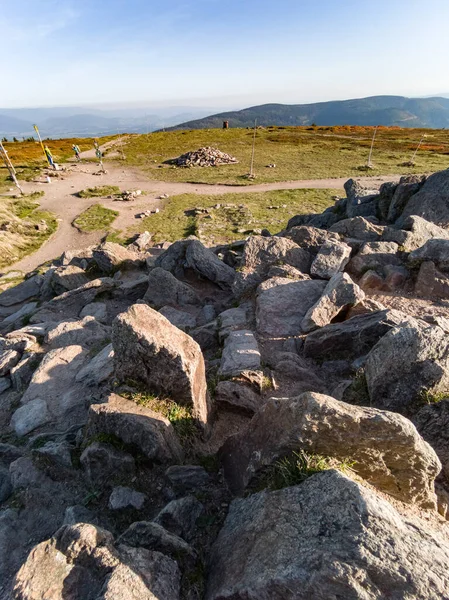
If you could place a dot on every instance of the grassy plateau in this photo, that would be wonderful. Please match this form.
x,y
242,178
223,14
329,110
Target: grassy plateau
x,y
297,152
95,218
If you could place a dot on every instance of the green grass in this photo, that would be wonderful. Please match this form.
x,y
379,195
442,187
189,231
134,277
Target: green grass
x,y
296,468
429,397
228,224
179,415
95,218
298,152
99,191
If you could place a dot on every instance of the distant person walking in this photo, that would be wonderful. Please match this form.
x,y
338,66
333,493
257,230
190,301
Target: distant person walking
x,y
77,152
49,156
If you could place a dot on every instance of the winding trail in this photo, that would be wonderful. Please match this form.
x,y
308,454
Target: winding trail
x,y
61,199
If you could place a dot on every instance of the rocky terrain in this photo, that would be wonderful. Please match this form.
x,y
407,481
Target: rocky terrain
x,y
261,420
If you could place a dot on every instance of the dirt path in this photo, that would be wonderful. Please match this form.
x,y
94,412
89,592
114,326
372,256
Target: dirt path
x,y
61,199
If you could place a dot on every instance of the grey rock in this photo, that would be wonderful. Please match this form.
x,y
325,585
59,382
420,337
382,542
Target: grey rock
x,y
237,395
327,538
431,202
360,229
260,253
99,369
232,319
79,514
148,348
164,288
352,338
398,463
125,497
436,251
110,257
281,309
8,360
179,318
404,363
144,534
240,353
180,516
82,558
286,271
332,258
25,290
408,186
311,238
54,459
24,474
374,255
9,453
339,295
5,384
432,422
67,278
187,478
136,426
102,463
69,305
23,372
29,417
415,232
5,484
87,333
204,262
18,316
98,310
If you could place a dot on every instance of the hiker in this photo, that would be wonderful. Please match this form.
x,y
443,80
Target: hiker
x,y
99,154
49,156
77,152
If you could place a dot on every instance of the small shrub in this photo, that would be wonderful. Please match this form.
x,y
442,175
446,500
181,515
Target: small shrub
x,y
429,397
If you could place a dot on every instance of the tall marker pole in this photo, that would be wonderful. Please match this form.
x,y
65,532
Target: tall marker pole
x,y
41,143
254,147
418,147
369,163
9,166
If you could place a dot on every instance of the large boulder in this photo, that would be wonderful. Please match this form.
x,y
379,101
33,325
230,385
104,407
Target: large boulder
x,y
361,201
359,228
415,232
281,309
149,349
435,250
81,562
191,254
87,333
68,278
375,256
70,304
352,338
327,538
406,363
339,295
332,258
431,202
136,426
240,353
310,238
432,422
164,288
53,394
386,448
260,253
111,256
22,292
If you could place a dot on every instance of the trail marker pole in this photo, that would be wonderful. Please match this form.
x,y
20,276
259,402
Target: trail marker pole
x,y
120,145
417,148
369,164
9,166
251,174
41,143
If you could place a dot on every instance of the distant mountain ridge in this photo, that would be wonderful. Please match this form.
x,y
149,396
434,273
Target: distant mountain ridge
x,y
375,110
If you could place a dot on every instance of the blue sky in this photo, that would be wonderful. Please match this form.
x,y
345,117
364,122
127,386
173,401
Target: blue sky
x,y
220,52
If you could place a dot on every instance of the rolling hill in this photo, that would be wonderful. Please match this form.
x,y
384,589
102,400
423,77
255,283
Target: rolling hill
x,y
375,110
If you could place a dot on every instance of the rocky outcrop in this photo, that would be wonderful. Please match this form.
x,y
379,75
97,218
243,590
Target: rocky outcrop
x,y
431,202
326,538
434,250
82,562
149,349
386,448
110,256
164,288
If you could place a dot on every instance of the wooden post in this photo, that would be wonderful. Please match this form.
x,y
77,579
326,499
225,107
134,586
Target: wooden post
x,y
251,174
369,163
9,166
419,145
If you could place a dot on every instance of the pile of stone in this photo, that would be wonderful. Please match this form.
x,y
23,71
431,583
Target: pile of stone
x,y
129,196
203,157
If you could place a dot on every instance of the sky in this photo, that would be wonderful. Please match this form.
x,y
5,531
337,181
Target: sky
x,y
227,53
